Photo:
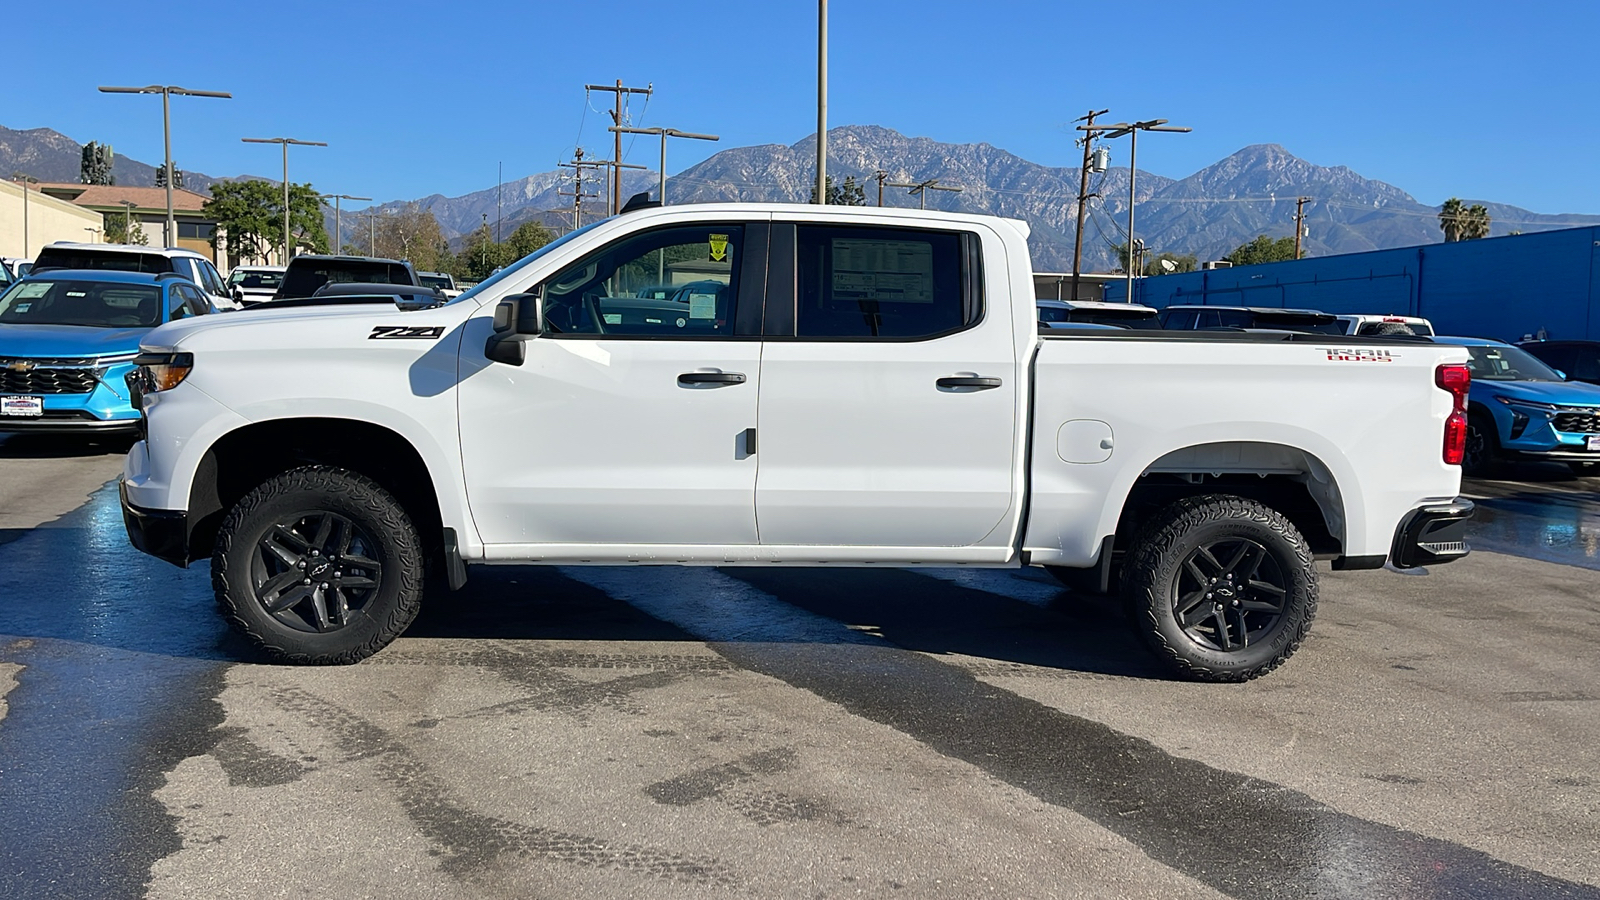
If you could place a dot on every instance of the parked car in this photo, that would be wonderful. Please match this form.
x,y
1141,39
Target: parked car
x,y
1387,326
254,284
443,282
305,274
1578,360
1127,315
1208,318
6,276
1520,408
137,258
16,266
69,337
910,411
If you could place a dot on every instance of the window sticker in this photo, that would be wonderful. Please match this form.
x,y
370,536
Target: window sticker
x,y
702,306
885,271
24,307
34,291
719,247
76,294
612,318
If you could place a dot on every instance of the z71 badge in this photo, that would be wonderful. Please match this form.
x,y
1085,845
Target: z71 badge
x,y
406,333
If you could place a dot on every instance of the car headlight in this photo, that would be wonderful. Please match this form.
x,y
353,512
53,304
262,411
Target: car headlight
x,y
158,372
1530,404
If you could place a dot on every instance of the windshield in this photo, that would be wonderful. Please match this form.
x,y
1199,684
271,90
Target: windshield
x,y
92,303
266,281
436,281
1507,364
517,266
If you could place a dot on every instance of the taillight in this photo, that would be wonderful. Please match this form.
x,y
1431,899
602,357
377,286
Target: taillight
x,y
1457,379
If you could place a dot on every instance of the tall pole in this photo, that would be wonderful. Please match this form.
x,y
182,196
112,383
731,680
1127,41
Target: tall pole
x,y
338,224
166,92
285,142
1132,129
1088,129
665,133
499,178
24,180
1299,222
880,175
616,119
822,101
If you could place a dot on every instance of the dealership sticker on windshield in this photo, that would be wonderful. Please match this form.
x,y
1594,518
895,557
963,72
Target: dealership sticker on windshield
x,y
22,406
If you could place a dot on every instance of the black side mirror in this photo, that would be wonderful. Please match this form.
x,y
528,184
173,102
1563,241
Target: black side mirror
x,y
518,318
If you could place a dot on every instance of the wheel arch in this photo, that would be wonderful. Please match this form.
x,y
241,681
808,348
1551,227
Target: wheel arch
x,y
243,458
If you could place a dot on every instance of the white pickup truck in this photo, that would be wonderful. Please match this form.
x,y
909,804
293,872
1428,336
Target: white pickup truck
x,y
763,384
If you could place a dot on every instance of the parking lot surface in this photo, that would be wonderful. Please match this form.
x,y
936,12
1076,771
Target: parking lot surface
x,y
658,732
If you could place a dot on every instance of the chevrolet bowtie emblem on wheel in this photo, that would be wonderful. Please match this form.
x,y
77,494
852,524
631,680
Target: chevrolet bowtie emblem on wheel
x,y
20,365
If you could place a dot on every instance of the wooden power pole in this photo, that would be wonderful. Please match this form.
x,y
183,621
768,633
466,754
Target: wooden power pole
x,y
616,119
577,166
1089,133
1299,222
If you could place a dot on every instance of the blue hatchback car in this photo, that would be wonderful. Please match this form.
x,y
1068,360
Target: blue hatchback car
x,y
1520,408
68,339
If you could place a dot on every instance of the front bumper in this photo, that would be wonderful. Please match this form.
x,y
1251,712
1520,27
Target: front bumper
x,y
106,408
1432,535
162,533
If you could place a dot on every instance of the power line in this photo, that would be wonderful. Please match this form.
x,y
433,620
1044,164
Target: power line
x,y
922,188
620,91
1088,129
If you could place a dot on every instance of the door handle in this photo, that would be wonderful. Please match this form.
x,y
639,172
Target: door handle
x,y
690,378
963,381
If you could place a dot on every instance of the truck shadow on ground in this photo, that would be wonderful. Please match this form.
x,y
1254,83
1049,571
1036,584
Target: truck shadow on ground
x,y
15,445
903,608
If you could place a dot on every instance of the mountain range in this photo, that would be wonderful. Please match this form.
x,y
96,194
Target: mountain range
x,y
1207,214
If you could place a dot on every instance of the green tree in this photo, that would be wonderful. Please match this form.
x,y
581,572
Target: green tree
x,y
117,230
848,194
528,237
481,256
250,213
1262,250
1460,222
95,166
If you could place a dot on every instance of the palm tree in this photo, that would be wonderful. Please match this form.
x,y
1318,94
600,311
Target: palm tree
x,y
1475,223
1450,219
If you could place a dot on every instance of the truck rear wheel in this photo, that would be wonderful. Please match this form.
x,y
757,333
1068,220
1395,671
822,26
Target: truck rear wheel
x,y
1221,588
318,566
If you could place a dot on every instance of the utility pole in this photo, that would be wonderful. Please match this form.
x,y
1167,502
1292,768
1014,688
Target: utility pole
x,y
1299,222
616,119
1132,129
822,101
499,178
1089,130
166,92
661,189
577,166
921,190
284,142
338,226
880,176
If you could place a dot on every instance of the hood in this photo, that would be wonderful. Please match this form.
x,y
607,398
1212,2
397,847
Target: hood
x,y
62,341
1565,393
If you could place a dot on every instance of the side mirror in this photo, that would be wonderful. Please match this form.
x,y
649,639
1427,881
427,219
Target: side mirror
x,y
518,318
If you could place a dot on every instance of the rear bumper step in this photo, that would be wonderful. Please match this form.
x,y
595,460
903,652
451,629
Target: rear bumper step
x,y
1433,535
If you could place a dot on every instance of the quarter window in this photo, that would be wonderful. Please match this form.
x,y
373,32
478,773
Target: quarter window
x,y
673,282
881,283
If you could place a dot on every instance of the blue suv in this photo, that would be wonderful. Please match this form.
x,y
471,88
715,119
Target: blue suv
x,y
68,339
1520,408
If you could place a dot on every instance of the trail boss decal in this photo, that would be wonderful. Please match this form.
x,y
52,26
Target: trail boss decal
x,y
1362,355
406,333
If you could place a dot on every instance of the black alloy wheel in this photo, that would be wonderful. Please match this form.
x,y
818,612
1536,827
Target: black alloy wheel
x,y
315,571
1229,594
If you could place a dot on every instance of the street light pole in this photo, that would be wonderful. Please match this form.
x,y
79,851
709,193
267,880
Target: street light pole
x,y
285,142
338,226
822,101
664,133
127,220
166,92
1132,129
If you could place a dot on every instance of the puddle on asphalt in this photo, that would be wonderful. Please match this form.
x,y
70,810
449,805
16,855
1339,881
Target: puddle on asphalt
x,y
1566,533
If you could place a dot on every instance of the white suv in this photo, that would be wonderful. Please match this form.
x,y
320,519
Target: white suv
x,y
136,258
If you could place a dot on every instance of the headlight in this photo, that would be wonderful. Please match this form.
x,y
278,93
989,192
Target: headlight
x,y
162,371
1531,404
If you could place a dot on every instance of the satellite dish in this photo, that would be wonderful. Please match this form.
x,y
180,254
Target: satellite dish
x,y
1169,265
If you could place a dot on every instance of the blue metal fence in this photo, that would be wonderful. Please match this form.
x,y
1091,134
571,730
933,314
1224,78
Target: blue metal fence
x,y
1502,288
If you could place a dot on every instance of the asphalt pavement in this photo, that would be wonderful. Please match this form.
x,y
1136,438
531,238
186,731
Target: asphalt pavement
x,y
664,732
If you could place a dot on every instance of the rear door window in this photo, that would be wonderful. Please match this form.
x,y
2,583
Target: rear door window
x,y
861,282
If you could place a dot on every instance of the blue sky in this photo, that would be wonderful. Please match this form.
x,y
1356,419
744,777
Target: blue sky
x,y
1482,100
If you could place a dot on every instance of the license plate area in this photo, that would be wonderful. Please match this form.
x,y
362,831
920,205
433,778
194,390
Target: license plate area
x,y
27,407
1592,443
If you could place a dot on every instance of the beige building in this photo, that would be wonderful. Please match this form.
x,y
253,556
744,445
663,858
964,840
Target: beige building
x,y
48,219
149,210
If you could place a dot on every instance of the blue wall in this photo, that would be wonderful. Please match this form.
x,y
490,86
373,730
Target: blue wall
x,y
1500,288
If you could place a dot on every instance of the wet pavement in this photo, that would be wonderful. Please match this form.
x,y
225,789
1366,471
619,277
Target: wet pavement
x,y
803,733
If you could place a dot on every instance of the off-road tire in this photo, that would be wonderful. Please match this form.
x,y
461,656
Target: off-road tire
x,y
385,533
1157,579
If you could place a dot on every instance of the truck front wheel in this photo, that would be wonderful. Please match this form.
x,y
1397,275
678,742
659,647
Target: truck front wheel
x,y
318,566
1221,588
